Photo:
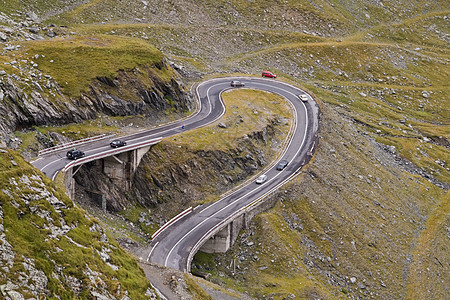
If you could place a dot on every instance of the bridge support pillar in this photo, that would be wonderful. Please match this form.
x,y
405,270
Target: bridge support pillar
x,y
69,182
225,238
219,243
121,167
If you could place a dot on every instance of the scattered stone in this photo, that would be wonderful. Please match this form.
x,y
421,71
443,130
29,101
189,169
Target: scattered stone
x,y
33,17
222,125
34,29
391,149
360,285
352,279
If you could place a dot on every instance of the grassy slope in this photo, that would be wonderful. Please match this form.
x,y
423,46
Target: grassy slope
x,y
27,218
398,76
75,61
246,112
402,56
353,214
395,73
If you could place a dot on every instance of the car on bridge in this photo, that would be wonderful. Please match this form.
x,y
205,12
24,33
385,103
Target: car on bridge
x,y
75,154
269,74
236,83
261,179
117,143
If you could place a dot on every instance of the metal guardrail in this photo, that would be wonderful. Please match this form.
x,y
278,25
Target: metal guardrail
x,y
219,226
74,143
173,220
110,152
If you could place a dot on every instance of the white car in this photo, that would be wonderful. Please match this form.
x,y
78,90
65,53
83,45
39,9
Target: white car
x,y
261,179
304,98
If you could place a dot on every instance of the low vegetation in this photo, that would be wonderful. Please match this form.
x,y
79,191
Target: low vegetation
x,y
350,224
53,247
75,61
246,112
369,217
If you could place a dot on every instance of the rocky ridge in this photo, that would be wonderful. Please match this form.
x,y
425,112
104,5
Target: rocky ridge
x,y
47,105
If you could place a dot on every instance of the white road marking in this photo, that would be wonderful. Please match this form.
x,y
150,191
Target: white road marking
x,y
273,178
150,253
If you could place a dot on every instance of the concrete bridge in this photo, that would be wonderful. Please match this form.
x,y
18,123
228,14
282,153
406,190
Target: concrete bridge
x,y
119,164
213,227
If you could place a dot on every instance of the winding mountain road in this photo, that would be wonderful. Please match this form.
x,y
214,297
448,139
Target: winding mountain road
x,y
175,246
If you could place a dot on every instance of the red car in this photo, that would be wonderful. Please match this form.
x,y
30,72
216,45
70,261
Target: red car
x,y
268,74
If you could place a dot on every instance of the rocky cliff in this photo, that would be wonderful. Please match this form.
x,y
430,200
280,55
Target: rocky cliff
x,y
167,185
136,92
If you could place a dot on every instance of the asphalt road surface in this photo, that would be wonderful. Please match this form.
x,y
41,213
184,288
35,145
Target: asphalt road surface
x,y
173,247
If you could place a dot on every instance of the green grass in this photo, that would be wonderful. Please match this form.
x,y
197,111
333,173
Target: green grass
x,y
79,130
430,250
363,225
133,214
74,62
395,81
422,30
25,230
247,111
399,49
10,7
195,289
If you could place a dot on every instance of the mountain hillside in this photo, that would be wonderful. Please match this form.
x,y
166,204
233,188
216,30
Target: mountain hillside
x,y
50,248
368,218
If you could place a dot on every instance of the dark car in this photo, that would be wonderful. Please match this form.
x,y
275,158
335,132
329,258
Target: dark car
x,y
236,83
268,74
75,154
282,164
117,143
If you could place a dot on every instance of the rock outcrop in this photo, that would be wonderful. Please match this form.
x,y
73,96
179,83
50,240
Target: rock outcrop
x,y
163,183
145,94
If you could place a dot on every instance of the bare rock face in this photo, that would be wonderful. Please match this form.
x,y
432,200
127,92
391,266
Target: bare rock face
x,y
162,183
151,97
